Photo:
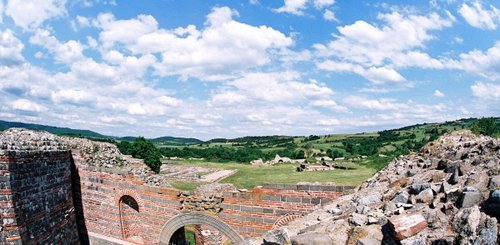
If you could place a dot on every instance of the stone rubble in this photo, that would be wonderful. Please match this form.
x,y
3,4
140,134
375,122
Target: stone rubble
x,y
95,154
448,193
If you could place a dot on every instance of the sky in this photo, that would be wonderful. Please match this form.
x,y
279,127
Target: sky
x,y
228,68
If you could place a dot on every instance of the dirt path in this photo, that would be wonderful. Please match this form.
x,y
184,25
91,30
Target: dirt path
x,y
215,176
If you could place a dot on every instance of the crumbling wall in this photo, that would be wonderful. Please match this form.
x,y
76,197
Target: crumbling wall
x,y
36,204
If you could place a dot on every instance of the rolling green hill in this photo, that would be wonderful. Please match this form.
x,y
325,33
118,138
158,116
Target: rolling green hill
x,y
55,130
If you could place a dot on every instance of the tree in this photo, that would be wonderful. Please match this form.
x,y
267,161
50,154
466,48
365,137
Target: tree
x,y
142,149
485,126
309,150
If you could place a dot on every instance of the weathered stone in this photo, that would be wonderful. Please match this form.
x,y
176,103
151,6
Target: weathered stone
x,y
454,177
407,225
371,199
468,199
311,239
489,233
401,197
418,187
493,204
368,241
425,196
277,237
358,219
441,242
466,221
494,182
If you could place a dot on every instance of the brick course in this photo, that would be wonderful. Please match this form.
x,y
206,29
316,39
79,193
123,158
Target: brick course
x,y
54,197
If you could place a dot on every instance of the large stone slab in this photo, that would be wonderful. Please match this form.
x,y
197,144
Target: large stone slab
x,y
407,225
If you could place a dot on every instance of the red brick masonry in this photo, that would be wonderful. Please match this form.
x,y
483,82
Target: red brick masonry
x,y
38,202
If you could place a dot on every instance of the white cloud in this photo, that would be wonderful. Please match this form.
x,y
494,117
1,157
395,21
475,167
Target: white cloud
x,y
376,75
328,104
295,7
30,14
328,122
329,15
271,88
364,43
374,104
10,49
486,64
480,17
222,49
319,4
486,90
298,7
27,105
68,52
1,11
375,51
438,93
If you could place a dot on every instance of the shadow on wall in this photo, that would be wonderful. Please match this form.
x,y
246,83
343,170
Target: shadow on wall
x,y
77,203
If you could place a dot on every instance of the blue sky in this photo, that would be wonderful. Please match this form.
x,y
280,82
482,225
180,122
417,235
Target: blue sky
x,y
210,69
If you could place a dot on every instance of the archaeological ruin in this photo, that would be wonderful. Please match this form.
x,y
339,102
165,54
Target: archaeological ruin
x,y
61,190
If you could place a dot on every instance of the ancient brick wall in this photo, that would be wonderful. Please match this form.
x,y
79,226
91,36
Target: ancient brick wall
x,y
117,205
254,213
36,205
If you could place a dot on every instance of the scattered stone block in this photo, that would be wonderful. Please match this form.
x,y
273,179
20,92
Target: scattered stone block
x,y
401,198
407,225
425,196
312,239
494,182
417,188
469,198
374,198
279,236
358,219
368,241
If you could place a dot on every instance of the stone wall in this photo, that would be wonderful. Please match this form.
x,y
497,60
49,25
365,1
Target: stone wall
x,y
50,194
255,212
250,213
36,198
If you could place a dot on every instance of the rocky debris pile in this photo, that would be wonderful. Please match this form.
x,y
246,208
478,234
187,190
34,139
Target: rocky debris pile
x,y
205,203
99,154
448,193
214,189
96,154
20,139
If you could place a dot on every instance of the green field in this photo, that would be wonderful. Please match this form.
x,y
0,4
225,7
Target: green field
x,y
250,176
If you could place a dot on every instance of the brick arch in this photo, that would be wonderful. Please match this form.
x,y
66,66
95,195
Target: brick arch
x,y
181,220
285,219
121,193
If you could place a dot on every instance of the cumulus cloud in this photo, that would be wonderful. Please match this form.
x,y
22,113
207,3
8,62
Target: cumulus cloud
x,y
329,15
267,88
293,7
30,14
376,75
486,90
298,7
67,52
479,17
221,49
10,49
374,51
27,105
485,63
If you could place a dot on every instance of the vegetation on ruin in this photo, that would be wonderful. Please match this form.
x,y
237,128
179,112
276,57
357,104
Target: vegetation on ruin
x,y
143,149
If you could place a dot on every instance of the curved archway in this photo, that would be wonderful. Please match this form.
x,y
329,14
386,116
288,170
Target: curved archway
x,y
184,219
129,218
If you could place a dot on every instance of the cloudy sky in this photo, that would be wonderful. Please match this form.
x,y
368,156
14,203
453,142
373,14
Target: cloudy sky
x,y
230,68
